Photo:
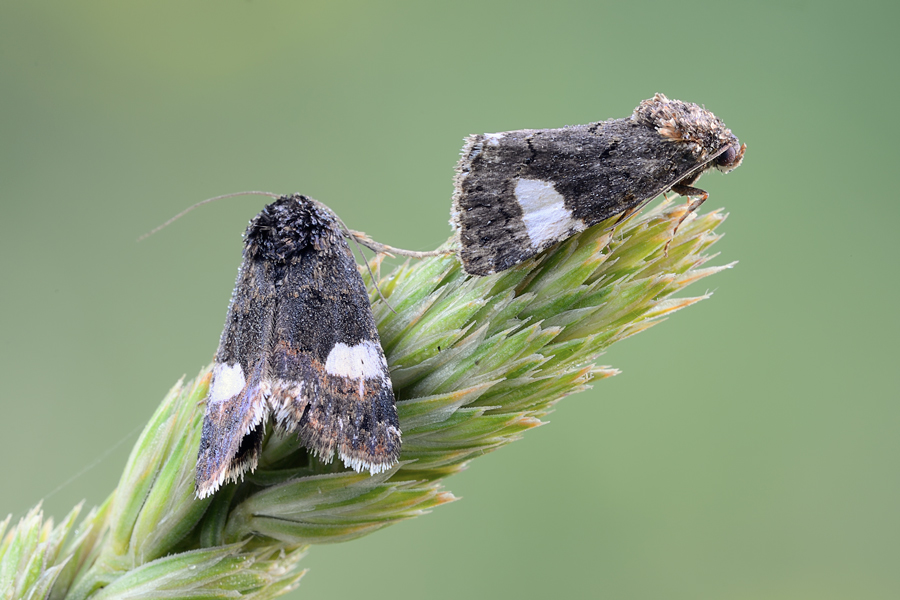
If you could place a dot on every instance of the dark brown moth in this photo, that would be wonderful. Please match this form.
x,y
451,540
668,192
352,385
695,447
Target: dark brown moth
x,y
519,192
299,345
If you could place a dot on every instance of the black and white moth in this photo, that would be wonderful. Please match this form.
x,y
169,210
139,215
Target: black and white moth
x,y
519,192
299,345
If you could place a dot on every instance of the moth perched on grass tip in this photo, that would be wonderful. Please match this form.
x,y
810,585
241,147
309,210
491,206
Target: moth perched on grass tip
x,y
519,192
299,345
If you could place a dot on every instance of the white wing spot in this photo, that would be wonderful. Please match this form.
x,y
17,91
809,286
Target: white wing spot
x,y
227,382
362,361
544,212
493,139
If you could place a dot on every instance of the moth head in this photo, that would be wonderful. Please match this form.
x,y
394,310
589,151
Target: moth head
x,y
290,226
699,131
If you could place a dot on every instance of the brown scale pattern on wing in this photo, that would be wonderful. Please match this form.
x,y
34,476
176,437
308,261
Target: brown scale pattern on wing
x,y
354,418
231,438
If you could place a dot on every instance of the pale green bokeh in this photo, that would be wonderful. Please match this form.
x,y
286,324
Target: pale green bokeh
x,y
748,450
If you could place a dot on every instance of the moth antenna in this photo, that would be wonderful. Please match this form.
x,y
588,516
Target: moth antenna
x,y
201,203
95,462
349,233
628,213
368,267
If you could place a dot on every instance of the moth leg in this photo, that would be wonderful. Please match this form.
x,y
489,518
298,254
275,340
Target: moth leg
x,y
699,197
374,246
624,216
689,191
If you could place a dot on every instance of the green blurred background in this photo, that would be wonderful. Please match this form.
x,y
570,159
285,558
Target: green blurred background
x,y
748,450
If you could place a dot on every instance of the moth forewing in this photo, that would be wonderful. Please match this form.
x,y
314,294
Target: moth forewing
x,y
299,345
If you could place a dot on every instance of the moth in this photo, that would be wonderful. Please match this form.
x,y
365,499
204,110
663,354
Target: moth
x,y
299,345
519,192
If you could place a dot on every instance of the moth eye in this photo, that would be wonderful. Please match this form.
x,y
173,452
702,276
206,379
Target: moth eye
x,y
727,157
